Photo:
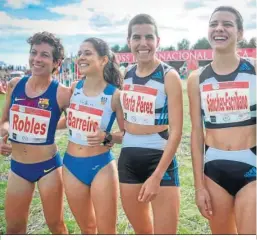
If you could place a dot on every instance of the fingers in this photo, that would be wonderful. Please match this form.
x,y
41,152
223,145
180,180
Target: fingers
x,y
5,138
208,205
203,211
5,152
5,149
141,194
151,197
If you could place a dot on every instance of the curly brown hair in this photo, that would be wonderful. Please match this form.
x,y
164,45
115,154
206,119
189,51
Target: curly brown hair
x,y
52,40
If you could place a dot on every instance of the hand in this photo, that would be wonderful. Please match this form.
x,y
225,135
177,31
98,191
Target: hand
x,y
109,145
96,138
203,202
149,190
5,148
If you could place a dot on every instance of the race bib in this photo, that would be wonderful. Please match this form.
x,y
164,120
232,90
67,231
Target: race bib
x,y
29,124
138,103
82,120
226,102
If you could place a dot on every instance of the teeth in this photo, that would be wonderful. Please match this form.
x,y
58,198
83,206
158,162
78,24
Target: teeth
x,y
37,66
143,52
219,38
83,64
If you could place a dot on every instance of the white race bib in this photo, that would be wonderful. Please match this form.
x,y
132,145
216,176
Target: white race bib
x,y
226,102
29,124
138,103
82,120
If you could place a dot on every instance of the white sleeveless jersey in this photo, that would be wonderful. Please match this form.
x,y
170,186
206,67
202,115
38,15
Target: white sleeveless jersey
x,y
86,114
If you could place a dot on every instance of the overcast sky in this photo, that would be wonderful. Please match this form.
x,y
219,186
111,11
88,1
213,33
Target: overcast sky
x,y
76,20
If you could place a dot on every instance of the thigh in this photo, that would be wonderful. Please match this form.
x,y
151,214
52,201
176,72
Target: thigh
x,y
223,218
51,192
19,194
166,210
138,213
79,200
245,209
104,191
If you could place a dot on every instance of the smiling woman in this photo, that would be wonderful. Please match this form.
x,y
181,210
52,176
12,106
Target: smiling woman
x,y
223,96
32,109
152,103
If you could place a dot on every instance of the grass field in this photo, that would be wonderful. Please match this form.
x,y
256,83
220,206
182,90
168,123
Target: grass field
x,y
190,221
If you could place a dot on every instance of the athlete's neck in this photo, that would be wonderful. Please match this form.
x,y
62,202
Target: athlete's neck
x,y
225,63
39,82
94,85
144,69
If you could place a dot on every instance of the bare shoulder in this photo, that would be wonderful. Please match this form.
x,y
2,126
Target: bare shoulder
x,y
13,82
172,78
63,90
63,96
193,78
116,97
172,74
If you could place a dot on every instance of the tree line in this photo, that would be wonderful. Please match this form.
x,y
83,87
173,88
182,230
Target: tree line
x,y
184,44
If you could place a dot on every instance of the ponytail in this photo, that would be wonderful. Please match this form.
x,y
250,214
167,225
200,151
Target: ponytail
x,y
112,73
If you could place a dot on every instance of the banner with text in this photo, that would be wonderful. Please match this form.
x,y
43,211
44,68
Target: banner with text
x,y
185,55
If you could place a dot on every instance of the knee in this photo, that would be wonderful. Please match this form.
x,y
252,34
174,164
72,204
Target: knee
x,y
144,230
57,227
16,228
89,229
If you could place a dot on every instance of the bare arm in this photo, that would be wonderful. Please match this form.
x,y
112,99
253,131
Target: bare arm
x,y
197,135
175,110
64,95
4,123
116,106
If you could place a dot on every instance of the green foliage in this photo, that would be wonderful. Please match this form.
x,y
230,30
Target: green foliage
x,y
115,48
243,44
252,43
184,44
202,43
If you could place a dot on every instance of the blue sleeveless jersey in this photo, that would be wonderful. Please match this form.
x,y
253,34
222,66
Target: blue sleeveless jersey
x,y
145,102
33,120
143,99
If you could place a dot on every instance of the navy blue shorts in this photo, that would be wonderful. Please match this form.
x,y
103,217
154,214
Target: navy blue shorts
x,y
232,170
34,171
136,165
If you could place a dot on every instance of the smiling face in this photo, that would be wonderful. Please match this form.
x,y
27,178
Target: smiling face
x,y
41,59
89,61
223,31
143,42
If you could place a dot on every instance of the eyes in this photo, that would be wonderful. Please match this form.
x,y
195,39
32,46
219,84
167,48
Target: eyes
x,y
84,53
42,54
224,24
147,37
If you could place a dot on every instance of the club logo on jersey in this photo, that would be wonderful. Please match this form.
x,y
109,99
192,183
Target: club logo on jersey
x,y
43,103
103,100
